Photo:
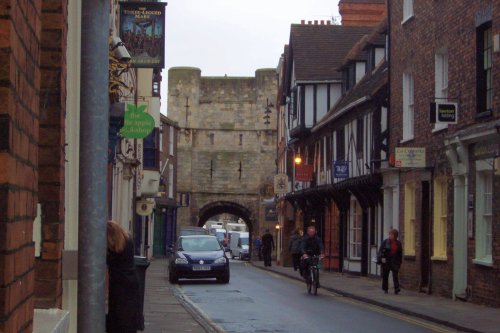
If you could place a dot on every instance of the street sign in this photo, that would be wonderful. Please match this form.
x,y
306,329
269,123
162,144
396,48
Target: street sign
x,y
281,183
444,113
410,157
340,169
304,172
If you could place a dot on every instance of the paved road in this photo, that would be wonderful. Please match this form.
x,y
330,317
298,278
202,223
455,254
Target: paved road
x,y
259,301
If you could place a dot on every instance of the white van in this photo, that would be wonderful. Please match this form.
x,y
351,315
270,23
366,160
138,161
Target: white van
x,y
240,245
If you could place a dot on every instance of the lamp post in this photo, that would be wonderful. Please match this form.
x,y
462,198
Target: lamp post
x,y
278,243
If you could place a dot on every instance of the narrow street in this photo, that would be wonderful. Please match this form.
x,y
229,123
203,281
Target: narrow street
x,y
259,301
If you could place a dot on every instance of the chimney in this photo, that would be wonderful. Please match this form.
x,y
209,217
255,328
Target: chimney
x,y
361,13
328,22
309,22
322,22
315,22
302,22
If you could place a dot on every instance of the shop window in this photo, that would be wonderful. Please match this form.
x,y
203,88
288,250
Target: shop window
x,y
440,218
355,234
409,219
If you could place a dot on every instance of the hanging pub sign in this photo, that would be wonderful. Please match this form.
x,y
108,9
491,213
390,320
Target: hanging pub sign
x,y
138,123
304,173
281,183
142,30
443,113
340,169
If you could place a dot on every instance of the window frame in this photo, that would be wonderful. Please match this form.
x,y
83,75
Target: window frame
x,y
440,219
355,231
408,106
484,212
408,10
441,83
146,166
409,219
484,75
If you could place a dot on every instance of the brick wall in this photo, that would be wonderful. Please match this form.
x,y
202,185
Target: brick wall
x,y
19,102
362,14
48,272
436,26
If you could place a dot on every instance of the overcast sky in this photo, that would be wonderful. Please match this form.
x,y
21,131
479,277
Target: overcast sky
x,y
234,37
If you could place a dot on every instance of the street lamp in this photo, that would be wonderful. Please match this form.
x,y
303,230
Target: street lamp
x,y
297,159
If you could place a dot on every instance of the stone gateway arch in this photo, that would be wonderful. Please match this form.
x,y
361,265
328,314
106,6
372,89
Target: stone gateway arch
x,y
226,149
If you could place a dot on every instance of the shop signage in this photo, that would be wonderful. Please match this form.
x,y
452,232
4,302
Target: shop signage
x,y
304,173
271,213
444,113
138,123
486,149
410,157
142,30
281,183
340,169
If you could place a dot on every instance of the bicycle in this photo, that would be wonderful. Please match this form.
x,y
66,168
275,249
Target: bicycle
x,y
312,279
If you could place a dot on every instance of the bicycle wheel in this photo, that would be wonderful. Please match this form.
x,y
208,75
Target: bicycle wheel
x,y
315,282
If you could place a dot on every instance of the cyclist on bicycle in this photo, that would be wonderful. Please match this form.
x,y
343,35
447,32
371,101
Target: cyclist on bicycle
x,y
311,246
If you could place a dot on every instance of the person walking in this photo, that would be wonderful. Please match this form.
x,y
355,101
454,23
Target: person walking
x,y
267,247
294,248
390,256
124,310
258,247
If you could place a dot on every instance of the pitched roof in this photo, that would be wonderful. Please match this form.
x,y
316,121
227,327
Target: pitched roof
x,y
364,90
318,50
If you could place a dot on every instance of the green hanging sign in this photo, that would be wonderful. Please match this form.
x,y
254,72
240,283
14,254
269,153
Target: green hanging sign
x,y
138,123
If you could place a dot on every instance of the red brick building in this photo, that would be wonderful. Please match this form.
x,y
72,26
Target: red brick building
x,y
32,108
362,13
447,207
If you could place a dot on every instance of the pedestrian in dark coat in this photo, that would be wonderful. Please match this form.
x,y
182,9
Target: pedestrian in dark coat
x,y
390,257
267,247
124,310
294,247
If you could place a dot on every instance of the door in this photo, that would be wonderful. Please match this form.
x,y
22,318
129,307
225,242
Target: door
x,y
425,248
159,249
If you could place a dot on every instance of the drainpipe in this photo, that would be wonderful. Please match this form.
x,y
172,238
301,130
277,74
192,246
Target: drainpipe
x,y
94,120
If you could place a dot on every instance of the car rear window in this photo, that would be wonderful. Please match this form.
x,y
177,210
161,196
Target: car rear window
x,y
199,244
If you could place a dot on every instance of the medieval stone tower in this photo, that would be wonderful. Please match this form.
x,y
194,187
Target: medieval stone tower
x,y
226,148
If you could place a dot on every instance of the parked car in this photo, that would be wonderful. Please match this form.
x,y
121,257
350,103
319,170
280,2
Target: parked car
x,y
240,245
188,231
198,257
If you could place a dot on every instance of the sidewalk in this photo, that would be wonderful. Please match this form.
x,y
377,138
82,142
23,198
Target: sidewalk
x,y
459,315
163,311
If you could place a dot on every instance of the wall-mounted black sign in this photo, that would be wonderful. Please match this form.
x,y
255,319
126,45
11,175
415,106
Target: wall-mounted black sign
x,y
443,113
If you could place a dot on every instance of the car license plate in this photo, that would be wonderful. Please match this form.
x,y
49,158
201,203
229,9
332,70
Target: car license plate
x,y
201,268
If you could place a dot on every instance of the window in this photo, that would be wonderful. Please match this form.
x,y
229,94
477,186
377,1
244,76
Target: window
x,y
355,230
241,140
407,10
151,153
340,145
171,140
359,137
440,217
441,82
484,202
170,181
409,222
212,138
408,108
484,56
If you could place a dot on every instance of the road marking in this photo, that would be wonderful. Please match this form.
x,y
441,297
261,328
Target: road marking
x,y
394,314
